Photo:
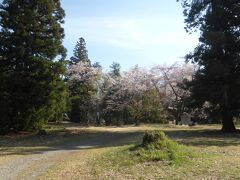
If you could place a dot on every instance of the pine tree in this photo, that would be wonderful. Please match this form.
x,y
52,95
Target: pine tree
x,y
81,88
217,55
80,53
115,71
31,87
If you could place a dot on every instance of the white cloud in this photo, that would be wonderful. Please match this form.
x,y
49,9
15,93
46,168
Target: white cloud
x,y
131,33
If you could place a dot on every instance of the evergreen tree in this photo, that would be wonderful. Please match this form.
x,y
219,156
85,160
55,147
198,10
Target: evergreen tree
x,y
80,53
31,88
111,104
115,70
81,88
217,55
97,65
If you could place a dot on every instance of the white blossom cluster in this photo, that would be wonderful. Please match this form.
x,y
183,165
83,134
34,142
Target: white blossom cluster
x,y
82,72
136,81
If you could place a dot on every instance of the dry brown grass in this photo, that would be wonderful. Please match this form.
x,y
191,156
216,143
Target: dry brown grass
x,y
219,157
219,154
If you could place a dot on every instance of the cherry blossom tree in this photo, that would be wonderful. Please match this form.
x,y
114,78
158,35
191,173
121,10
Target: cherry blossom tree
x,y
168,82
82,85
134,95
127,95
82,72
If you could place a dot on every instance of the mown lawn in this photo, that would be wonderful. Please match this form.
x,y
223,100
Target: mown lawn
x,y
216,156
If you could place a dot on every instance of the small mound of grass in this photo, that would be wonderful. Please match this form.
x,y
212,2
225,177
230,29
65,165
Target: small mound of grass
x,y
156,146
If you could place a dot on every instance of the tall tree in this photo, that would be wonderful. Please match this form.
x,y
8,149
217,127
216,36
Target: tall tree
x,y
82,77
112,97
168,81
80,53
79,84
217,55
30,40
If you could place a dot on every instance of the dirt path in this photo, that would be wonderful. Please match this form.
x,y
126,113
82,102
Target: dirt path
x,y
34,164
38,163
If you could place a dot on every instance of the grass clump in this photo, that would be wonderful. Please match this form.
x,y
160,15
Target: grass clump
x,y
156,146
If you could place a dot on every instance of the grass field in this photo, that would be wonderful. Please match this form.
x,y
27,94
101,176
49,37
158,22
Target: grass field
x,y
105,153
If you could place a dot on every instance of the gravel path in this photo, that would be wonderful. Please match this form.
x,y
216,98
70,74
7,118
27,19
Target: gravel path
x,y
18,168
33,165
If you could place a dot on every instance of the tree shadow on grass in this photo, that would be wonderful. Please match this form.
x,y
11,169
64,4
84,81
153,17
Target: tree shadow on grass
x,y
205,137
70,140
66,141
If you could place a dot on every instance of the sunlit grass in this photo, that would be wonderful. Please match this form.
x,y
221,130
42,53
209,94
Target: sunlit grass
x,y
199,152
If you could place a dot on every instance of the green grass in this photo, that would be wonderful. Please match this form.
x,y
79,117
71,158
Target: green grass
x,y
157,151
156,146
123,163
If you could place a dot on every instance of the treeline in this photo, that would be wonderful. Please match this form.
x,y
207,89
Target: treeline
x,y
38,85
115,97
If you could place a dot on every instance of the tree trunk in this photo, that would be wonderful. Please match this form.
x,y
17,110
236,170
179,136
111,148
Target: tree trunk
x,y
227,115
227,122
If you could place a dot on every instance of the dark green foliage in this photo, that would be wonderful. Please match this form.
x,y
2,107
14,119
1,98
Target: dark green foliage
x,y
115,71
80,53
80,101
81,90
97,65
113,105
113,101
31,88
217,55
150,110
122,107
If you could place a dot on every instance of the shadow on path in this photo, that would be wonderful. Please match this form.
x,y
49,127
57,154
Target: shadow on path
x,y
78,139
66,141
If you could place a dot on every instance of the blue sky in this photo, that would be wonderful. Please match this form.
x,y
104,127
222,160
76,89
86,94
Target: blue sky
x,y
130,32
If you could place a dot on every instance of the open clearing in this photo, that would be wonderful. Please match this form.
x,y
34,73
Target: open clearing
x,y
73,152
